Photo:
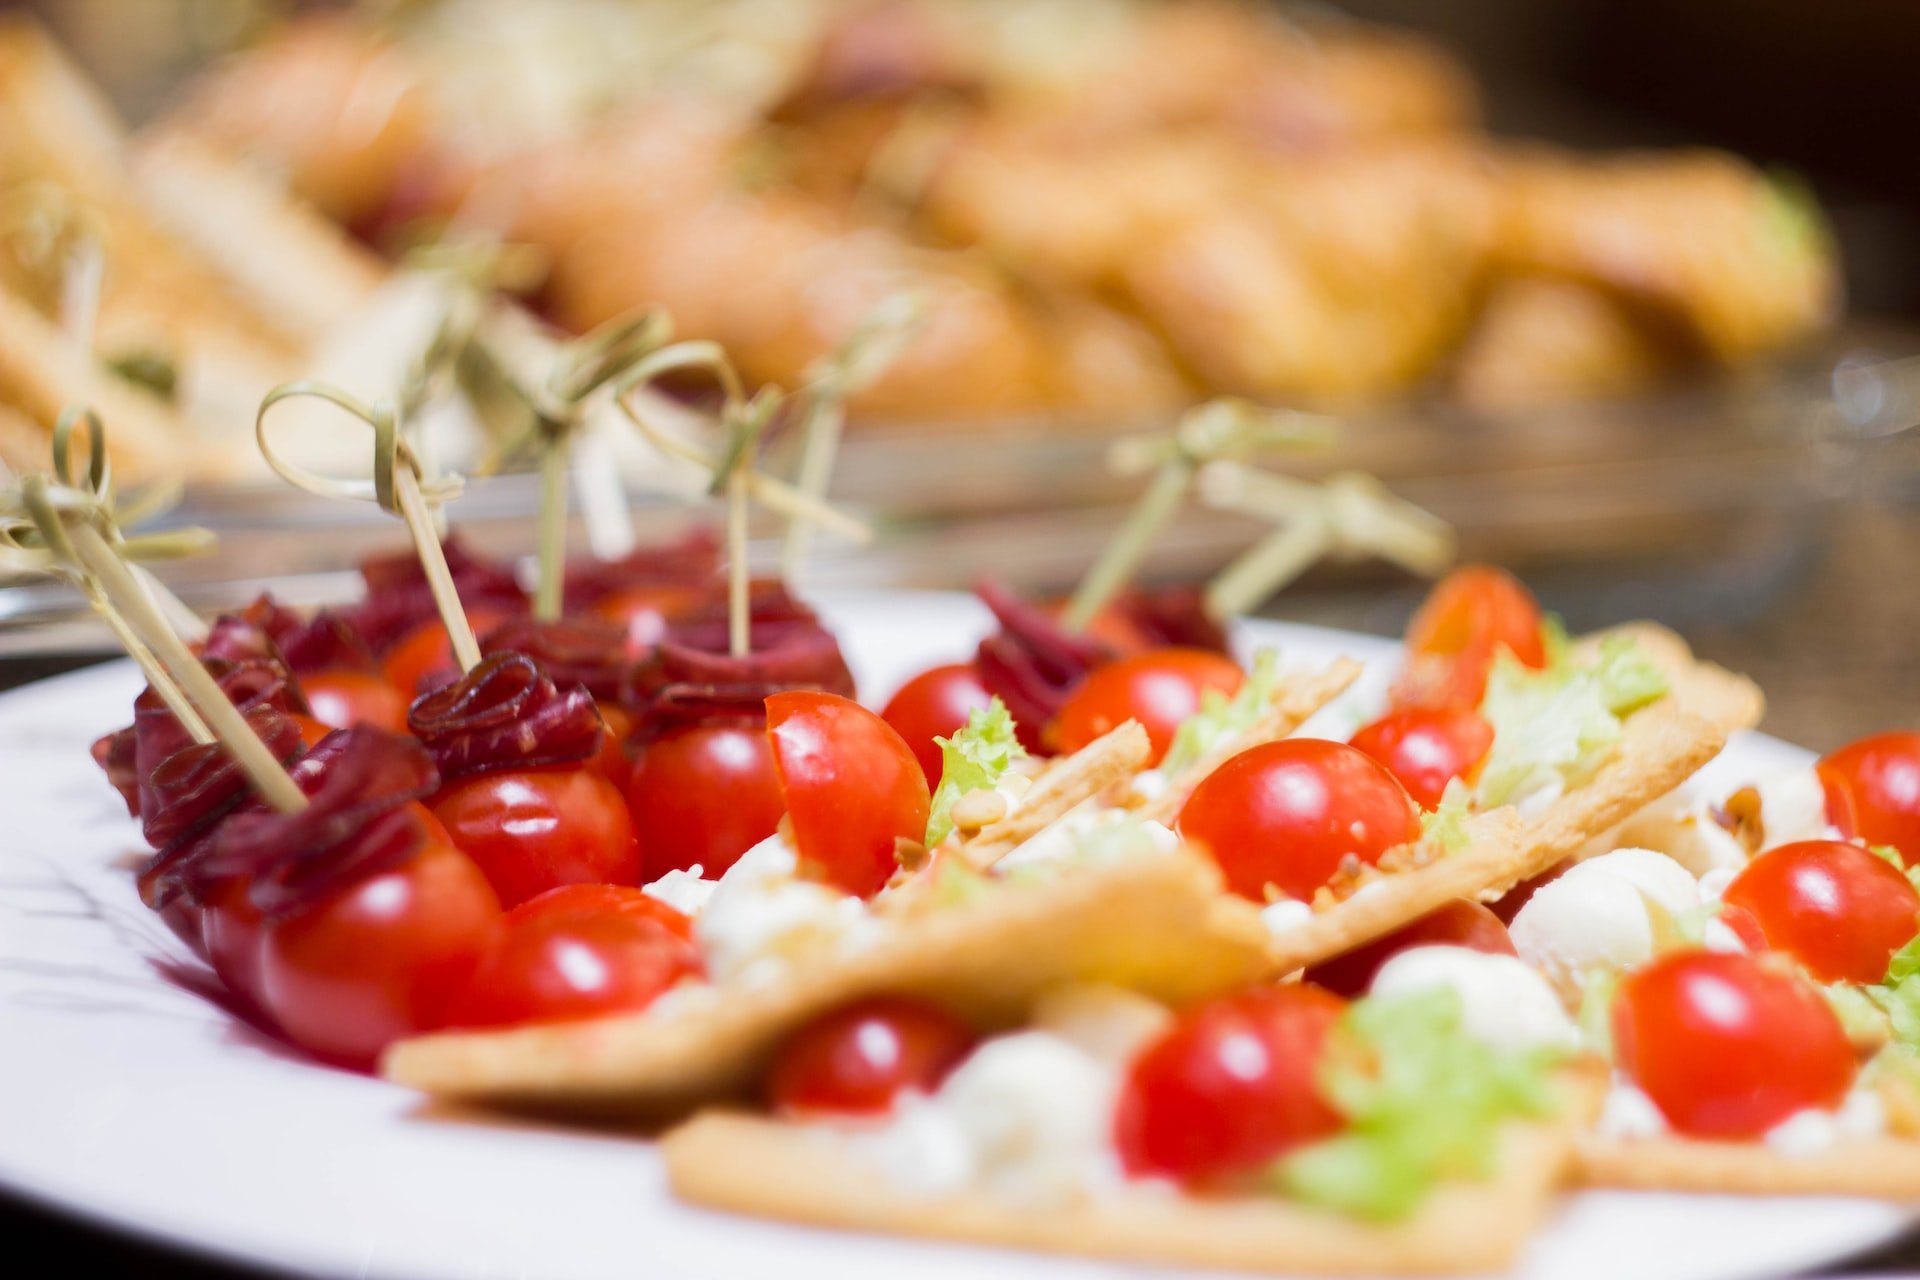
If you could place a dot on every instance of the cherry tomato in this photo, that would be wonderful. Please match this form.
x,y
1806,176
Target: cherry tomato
x,y
646,611
853,789
1428,747
1727,1047
1834,907
935,704
861,1058
1287,813
231,927
381,959
558,966
573,900
531,830
702,796
184,920
1744,927
1873,791
1459,923
1160,688
426,650
1231,1085
611,762
1508,905
343,698
1472,614
311,730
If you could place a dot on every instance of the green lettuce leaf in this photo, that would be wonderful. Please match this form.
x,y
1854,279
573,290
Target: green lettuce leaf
x,y
1553,727
1595,1017
1424,1103
972,760
1446,824
1220,715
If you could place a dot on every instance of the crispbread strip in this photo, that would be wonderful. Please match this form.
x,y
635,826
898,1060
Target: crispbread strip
x,y
1149,923
1659,748
1886,1168
766,1168
1709,691
1108,760
1293,704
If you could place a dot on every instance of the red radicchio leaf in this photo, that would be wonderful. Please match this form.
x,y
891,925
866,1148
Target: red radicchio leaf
x,y
155,734
1032,663
573,651
1171,616
398,598
504,714
693,560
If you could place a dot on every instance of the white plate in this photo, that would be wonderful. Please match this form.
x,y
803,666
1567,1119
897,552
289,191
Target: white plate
x,y
133,1101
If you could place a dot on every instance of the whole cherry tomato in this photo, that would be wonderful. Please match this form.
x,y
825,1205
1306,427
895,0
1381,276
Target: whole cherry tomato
x,y
935,704
703,795
1459,923
557,966
861,1058
1508,905
427,650
344,698
311,730
381,959
573,900
1231,1085
1288,813
1428,747
853,789
1834,907
231,927
611,762
1160,688
530,830
1727,1047
1472,614
1873,791
646,611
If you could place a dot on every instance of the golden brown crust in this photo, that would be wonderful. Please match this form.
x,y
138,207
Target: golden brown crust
x,y
1105,762
1712,692
1884,1168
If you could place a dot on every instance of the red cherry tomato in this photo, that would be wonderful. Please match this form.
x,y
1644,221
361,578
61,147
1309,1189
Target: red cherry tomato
x,y
231,928
1231,1085
1458,924
1834,907
1287,813
1428,747
426,650
1472,614
646,611
611,762
1744,926
381,959
344,698
1873,791
852,786
531,830
935,704
311,730
1160,688
861,1058
561,966
702,796
1508,905
573,900
1727,1047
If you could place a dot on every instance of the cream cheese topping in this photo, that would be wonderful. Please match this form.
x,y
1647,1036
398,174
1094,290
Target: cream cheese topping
x,y
1503,1003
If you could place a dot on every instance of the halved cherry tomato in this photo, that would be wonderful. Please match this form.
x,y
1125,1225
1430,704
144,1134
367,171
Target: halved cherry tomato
x,y
861,1058
1726,1046
558,966
853,789
1472,614
1873,791
1428,747
573,900
1834,907
703,795
611,760
1231,1085
344,698
1459,923
427,650
531,830
381,959
935,704
1160,688
1288,813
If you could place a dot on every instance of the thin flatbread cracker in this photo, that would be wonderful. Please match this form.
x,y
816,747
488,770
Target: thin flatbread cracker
x,y
1066,783
1708,690
1885,1167
1151,923
769,1169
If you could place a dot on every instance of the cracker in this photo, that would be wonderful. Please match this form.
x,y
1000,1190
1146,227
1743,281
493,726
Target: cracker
x,y
1062,786
1709,691
1884,1167
1659,748
1150,923
769,1169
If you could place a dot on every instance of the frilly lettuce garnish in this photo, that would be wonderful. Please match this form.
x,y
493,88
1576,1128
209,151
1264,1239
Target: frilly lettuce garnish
x,y
1220,716
972,760
1446,824
1595,1016
1553,727
1424,1102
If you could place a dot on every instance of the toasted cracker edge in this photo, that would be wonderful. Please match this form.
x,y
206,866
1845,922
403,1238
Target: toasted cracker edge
x,y
1884,1168
1706,689
1066,782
